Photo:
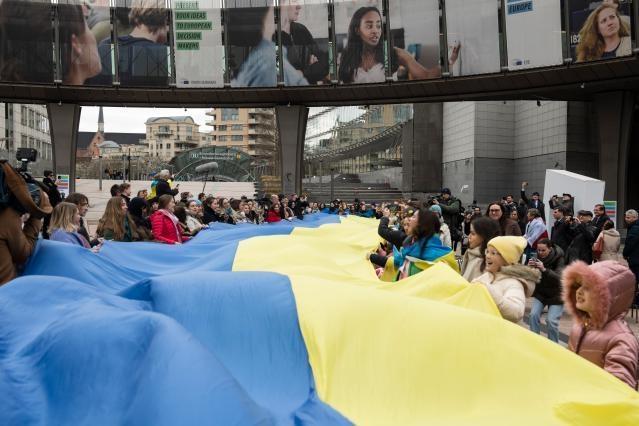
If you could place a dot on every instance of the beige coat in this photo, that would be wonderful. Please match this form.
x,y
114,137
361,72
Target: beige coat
x,y
611,244
509,289
471,265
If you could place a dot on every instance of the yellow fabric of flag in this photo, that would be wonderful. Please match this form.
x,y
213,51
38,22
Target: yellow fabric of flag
x,y
429,349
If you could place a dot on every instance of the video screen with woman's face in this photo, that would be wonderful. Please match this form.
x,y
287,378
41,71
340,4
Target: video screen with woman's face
x,y
473,33
600,29
26,46
305,42
81,26
362,55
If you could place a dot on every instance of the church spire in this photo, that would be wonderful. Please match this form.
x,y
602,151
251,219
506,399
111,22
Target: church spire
x,y
101,121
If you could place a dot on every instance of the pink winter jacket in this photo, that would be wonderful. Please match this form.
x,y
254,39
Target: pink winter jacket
x,y
603,338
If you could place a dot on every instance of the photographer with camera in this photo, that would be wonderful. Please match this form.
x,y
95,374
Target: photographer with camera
x,y
451,212
19,194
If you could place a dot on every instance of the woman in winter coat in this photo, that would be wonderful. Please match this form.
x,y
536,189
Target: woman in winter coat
x,y
611,242
547,292
193,222
211,211
508,281
482,230
166,228
138,213
421,249
497,212
116,224
65,221
273,214
598,296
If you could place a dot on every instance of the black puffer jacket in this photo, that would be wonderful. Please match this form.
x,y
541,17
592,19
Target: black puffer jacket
x,y
582,239
548,290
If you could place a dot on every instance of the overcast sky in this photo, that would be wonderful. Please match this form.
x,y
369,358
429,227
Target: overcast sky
x,y
131,120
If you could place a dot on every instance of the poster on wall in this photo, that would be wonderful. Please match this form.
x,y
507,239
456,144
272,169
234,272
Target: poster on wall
x,y
142,28
473,29
305,41
600,29
414,40
199,52
533,33
63,185
26,44
252,53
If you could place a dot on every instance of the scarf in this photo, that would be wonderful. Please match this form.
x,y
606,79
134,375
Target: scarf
x,y
430,250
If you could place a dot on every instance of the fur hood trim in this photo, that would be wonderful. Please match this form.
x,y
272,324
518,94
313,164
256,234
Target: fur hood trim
x,y
612,286
528,276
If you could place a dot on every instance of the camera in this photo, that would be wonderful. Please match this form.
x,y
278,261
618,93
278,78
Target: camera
x,y
26,155
7,198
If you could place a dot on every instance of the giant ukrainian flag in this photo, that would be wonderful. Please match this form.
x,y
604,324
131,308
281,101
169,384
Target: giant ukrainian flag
x,y
277,324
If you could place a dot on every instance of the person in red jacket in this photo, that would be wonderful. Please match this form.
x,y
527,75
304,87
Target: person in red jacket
x,y
165,224
273,214
599,296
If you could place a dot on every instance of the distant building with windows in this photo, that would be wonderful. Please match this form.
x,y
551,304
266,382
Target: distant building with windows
x,y
167,137
26,126
251,130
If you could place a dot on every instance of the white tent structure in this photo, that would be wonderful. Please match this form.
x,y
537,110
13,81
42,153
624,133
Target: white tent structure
x,y
587,191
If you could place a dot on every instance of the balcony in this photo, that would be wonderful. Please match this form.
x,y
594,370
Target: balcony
x,y
162,133
187,143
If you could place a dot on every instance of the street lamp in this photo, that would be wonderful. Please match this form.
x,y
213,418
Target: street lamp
x,y
100,145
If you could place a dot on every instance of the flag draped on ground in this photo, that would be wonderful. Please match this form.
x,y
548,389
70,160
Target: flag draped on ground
x,y
276,324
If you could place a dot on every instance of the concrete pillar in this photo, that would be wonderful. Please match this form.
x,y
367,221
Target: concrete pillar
x,y
291,126
64,120
613,113
422,149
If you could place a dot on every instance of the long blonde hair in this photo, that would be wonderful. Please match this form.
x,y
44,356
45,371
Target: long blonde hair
x,y
591,44
62,217
113,219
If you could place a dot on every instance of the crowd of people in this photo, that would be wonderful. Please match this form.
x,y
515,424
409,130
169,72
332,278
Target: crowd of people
x,y
507,249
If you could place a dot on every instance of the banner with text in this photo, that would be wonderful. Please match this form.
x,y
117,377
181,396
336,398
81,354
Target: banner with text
x,y
199,52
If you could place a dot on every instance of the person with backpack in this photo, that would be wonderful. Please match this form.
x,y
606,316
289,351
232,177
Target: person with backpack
x,y
452,213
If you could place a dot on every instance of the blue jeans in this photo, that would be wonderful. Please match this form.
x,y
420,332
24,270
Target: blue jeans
x,y
552,320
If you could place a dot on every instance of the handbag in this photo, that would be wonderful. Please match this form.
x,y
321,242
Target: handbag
x,y
597,247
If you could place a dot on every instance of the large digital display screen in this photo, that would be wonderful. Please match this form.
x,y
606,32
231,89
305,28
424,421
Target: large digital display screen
x,y
600,29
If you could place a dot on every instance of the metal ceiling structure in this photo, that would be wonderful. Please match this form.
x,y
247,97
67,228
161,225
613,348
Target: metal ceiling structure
x,y
578,82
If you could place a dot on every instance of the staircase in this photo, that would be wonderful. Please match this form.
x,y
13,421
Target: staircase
x,y
369,192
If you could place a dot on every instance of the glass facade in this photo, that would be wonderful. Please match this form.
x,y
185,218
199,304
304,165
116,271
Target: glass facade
x,y
354,139
266,43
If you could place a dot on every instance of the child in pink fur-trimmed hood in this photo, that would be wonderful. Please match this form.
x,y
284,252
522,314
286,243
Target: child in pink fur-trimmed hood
x,y
599,296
